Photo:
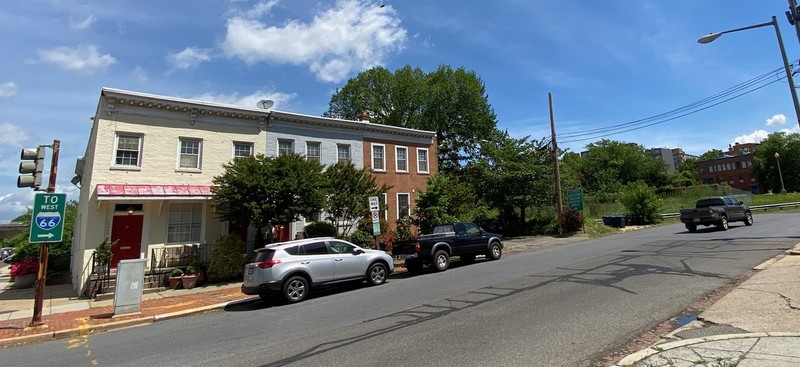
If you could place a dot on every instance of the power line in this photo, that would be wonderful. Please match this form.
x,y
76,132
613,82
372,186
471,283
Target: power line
x,y
703,104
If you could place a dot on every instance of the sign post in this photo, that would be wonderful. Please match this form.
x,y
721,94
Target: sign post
x,y
575,199
47,225
374,206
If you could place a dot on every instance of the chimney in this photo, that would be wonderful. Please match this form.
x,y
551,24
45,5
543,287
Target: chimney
x,y
364,116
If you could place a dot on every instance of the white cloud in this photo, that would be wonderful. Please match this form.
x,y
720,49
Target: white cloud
x,y
139,73
261,8
13,135
754,137
84,59
8,89
189,58
281,99
352,36
776,120
15,204
83,24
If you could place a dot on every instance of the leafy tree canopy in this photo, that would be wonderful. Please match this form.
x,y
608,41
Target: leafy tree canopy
x,y
451,102
765,164
261,191
610,164
349,192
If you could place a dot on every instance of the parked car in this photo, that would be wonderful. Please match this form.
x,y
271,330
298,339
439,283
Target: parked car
x,y
5,254
293,268
717,211
463,239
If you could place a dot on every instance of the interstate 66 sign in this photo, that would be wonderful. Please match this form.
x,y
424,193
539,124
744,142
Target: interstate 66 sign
x,y
47,221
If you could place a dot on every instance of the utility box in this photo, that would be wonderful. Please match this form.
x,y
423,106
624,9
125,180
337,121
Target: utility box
x,y
130,281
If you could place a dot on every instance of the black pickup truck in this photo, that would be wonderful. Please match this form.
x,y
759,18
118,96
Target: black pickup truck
x,y
462,239
717,211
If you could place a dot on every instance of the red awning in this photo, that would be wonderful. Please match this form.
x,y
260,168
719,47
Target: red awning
x,y
105,190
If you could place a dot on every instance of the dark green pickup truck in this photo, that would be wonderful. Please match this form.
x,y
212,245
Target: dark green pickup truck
x,y
717,211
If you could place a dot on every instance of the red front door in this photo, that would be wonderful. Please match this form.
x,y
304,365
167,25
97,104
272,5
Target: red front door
x,y
127,231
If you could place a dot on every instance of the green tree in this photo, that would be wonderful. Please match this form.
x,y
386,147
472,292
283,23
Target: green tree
x,y
262,191
445,199
611,164
765,164
686,174
349,190
451,102
515,174
711,154
641,201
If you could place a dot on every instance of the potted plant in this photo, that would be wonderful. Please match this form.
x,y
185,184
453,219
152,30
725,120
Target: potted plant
x,y
102,256
189,280
24,272
175,278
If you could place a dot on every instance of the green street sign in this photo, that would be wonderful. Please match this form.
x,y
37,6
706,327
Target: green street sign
x,y
575,199
47,221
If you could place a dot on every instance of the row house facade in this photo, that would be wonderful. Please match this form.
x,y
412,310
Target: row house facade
x,y
146,175
733,168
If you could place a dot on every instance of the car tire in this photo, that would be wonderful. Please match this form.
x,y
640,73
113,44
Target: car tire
x,y
468,258
441,260
723,224
748,219
295,289
495,251
413,266
377,273
691,227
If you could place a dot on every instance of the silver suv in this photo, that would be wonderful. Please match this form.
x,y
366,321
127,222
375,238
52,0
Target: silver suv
x,y
292,268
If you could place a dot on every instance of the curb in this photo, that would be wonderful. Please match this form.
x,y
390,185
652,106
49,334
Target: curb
x,y
88,330
655,349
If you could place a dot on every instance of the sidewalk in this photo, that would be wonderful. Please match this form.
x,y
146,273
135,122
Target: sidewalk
x,y
65,315
756,324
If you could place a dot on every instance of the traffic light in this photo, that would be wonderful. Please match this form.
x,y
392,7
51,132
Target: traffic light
x,y
31,168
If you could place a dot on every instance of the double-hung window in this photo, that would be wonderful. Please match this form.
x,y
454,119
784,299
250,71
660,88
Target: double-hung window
x,y
403,205
185,222
312,151
378,157
129,150
285,147
189,153
343,153
422,160
401,159
242,149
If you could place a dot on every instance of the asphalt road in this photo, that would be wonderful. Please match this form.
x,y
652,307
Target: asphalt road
x,y
565,305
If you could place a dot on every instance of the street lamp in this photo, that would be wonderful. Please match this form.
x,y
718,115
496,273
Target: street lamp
x,y
711,37
778,159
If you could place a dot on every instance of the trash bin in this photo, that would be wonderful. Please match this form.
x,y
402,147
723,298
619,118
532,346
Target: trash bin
x,y
620,221
607,220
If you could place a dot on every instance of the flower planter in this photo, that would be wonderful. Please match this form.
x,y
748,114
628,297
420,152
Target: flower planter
x,y
189,281
175,282
25,281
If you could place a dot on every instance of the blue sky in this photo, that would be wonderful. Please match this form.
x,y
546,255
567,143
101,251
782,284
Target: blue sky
x,y
605,62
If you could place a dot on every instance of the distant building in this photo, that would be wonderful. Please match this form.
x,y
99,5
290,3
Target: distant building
x,y
733,168
672,157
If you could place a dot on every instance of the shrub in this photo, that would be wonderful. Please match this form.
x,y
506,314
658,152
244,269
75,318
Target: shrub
x,y
365,225
320,229
641,201
176,273
27,266
361,238
571,220
404,229
102,254
227,259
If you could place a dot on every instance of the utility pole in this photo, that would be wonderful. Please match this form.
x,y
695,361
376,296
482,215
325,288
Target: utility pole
x,y
44,250
794,17
555,159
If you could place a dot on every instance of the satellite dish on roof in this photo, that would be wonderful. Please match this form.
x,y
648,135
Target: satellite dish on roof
x,y
265,104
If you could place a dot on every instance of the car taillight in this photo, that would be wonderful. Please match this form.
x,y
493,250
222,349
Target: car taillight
x,y
416,247
268,264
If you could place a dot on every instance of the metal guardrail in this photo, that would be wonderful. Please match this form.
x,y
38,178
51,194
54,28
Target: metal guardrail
x,y
754,207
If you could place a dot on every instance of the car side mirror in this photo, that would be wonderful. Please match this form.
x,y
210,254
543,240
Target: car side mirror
x,y
741,202
357,251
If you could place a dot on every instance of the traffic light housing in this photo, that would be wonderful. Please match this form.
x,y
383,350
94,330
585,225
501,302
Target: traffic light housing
x,y
31,168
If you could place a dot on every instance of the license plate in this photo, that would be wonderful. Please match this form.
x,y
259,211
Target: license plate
x,y
695,219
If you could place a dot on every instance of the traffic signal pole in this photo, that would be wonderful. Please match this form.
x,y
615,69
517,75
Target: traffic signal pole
x,y
44,250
